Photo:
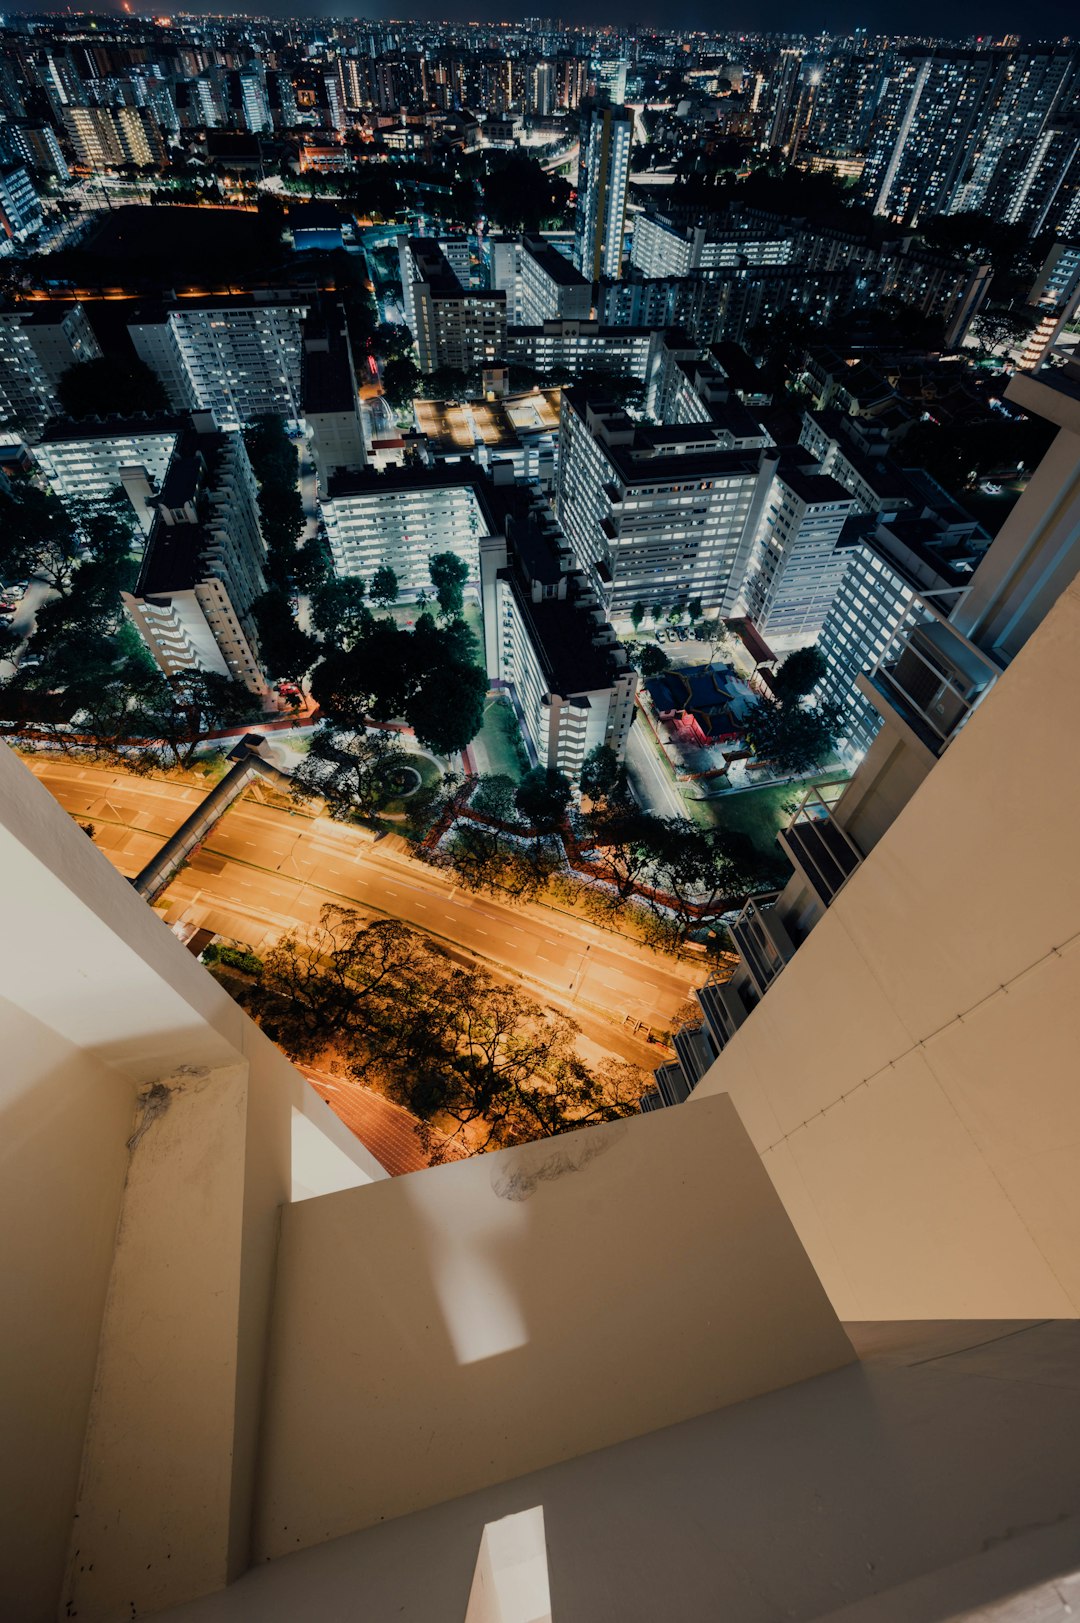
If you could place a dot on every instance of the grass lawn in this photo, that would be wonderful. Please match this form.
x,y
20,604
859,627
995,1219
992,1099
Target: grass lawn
x,y
500,740
429,774
758,813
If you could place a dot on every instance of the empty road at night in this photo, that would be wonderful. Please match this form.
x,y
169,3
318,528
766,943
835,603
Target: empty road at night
x,y
263,870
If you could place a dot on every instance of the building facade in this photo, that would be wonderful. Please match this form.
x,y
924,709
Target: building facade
x,y
604,176
202,568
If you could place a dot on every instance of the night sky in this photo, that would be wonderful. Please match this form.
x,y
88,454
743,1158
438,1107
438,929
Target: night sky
x,y
992,18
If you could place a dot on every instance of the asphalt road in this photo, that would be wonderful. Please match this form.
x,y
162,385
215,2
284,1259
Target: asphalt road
x,y
263,870
653,786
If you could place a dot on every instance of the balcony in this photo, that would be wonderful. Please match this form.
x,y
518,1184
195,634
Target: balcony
x,y
931,676
762,941
695,1051
818,846
724,1008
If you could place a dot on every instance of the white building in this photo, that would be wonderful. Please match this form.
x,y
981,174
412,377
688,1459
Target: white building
x,y
87,461
203,565
546,636
659,515
664,246
451,325
402,517
894,575
551,287
799,562
239,358
37,345
331,401
578,346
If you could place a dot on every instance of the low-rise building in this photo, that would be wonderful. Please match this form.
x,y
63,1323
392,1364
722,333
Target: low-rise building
x,y
519,429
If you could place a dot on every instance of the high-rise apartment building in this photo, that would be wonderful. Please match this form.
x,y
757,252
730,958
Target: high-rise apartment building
x,y
20,206
451,325
547,639
401,518
237,357
551,288
878,1010
897,573
88,461
659,515
799,560
37,345
603,177
104,137
331,403
202,568
962,130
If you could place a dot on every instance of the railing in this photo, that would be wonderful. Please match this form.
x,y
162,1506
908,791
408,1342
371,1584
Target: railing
x,y
763,942
819,846
932,674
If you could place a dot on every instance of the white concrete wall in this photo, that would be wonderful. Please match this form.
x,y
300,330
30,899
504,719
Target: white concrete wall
x,y
460,1326
100,999
927,1482
911,1078
64,1119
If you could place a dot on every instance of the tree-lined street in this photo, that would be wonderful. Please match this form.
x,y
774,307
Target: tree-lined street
x,y
265,870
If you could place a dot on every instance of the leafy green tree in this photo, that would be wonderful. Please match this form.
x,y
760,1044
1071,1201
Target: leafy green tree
x,y
542,797
652,660
637,614
795,737
402,381
287,653
705,871
351,772
183,710
422,677
447,710
281,509
695,609
800,673
448,575
626,845
657,612
521,194
603,775
384,587
113,384
494,797
339,612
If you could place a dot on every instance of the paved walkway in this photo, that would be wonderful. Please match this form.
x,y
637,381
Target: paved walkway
x,y
384,1128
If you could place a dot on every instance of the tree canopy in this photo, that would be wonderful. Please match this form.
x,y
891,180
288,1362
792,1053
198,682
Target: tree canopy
x,y
425,677
469,1056
448,575
120,385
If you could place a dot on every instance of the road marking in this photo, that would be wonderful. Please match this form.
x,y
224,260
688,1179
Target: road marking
x,y
481,932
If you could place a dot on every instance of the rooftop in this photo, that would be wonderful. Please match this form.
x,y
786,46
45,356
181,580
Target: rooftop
x,y
456,426
553,263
